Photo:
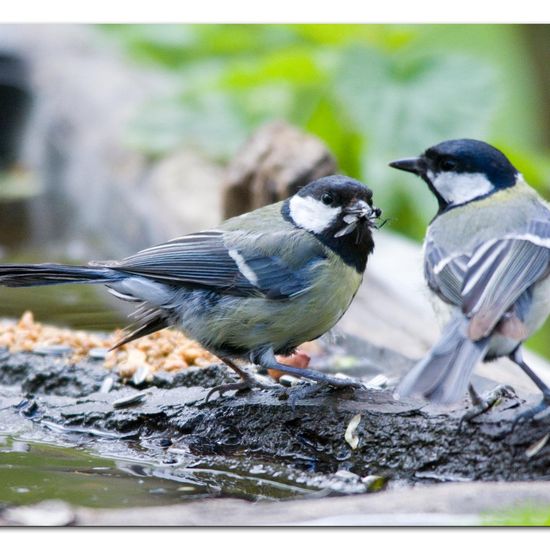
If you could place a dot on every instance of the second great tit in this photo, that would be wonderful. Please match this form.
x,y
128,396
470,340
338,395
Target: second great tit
x,y
259,285
486,261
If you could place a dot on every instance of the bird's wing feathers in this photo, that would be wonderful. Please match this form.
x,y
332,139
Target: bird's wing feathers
x,y
495,276
230,262
443,273
498,274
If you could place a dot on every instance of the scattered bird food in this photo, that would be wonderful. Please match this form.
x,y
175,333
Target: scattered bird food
x,y
168,350
130,400
536,447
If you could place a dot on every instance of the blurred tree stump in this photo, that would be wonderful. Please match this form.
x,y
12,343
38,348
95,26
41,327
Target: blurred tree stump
x,y
276,161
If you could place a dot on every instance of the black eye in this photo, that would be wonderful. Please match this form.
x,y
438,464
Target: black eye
x,y
447,165
327,198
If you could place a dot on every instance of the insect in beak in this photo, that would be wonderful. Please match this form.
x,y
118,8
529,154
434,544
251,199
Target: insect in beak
x,y
358,212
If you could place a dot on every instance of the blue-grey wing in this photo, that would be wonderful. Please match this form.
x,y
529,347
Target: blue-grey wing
x,y
230,262
500,275
444,273
494,279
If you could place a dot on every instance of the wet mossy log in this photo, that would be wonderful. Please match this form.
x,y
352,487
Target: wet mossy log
x,y
400,441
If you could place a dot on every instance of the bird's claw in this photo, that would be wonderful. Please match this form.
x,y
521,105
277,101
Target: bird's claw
x,y
250,381
531,413
247,382
344,382
306,388
324,379
482,404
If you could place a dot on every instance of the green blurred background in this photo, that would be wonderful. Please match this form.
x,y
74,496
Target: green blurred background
x,y
373,93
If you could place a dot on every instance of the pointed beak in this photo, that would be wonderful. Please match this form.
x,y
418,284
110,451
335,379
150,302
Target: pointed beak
x,y
414,165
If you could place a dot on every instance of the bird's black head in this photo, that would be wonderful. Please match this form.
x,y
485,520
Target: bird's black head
x,y
461,170
339,211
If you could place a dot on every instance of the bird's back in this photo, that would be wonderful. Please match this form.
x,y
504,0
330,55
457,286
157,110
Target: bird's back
x,y
465,227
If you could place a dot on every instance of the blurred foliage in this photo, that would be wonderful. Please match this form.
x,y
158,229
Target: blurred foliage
x,y
372,93
530,516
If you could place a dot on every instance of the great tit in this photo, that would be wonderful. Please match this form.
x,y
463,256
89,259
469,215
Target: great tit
x,y
259,285
486,261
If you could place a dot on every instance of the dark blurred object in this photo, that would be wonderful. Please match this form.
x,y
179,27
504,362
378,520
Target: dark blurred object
x,y
537,38
272,165
15,101
15,181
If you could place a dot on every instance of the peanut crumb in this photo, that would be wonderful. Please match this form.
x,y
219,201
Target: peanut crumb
x,y
168,350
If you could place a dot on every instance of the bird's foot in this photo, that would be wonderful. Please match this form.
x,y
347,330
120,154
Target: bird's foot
x,y
266,359
248,382
298,359
337,381
531,413
341,381
482,404
306,389
517,358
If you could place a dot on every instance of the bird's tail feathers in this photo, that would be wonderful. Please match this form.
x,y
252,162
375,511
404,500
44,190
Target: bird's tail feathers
x,y
149,317
147,320
444,374
20,275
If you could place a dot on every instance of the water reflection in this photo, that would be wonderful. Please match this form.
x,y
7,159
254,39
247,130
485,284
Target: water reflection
x,y
32,472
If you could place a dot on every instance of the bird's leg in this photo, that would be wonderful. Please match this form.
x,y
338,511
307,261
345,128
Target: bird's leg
x,y
517,357
267,359
298,359
248,381
481,404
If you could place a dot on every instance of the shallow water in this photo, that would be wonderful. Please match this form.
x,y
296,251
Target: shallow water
x,y
31,472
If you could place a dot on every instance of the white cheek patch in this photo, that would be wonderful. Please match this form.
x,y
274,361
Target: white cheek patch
x,y
311,214
460,188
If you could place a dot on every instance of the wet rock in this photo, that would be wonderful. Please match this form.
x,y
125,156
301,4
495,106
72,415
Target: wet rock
x,y
398,441
209,377
52,375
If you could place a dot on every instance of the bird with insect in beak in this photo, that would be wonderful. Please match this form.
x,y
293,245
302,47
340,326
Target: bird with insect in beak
x,y
259,285
487,264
